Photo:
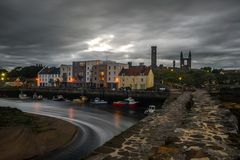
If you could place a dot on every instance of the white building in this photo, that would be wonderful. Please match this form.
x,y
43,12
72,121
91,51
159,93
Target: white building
x,y
49,77
89,65
66,73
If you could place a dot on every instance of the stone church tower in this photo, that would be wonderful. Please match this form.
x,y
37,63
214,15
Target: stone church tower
x,y
186,63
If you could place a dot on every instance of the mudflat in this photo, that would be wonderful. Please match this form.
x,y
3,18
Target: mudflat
x,y
24,135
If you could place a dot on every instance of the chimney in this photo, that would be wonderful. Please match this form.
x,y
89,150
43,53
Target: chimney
x,y
129,64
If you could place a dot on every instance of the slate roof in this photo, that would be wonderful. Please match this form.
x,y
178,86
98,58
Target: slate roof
x,y
52,70
135,71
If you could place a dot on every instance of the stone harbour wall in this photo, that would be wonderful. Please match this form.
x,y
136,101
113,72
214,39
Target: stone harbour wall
x,y
191,127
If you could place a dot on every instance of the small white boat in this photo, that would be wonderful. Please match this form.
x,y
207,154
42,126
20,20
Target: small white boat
x,y
37,97
150,110
98,101
58,98
40,97
131,102
23,96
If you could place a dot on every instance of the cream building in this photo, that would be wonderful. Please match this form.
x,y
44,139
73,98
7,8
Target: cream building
x,y
136,77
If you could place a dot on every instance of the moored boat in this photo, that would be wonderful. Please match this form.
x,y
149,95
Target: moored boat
x,y
98,101
37,97
130,102
150,110
80,100
119,104
23,96
58,98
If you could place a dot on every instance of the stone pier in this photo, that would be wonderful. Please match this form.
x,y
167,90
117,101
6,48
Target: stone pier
x,y
191,127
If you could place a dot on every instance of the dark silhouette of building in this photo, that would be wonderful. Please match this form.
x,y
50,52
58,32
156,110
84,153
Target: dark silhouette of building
x,y
154,57
174,64
186,63
129,64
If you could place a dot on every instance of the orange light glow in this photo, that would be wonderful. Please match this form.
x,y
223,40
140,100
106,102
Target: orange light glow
x,y
72,80
117,79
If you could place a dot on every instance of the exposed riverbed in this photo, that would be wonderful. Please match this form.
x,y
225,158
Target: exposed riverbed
x,y
24,135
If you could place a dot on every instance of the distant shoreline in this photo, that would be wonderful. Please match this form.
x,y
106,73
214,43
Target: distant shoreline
x,y
29,136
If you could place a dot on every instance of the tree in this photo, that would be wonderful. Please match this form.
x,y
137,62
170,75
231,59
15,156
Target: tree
x,y
25,72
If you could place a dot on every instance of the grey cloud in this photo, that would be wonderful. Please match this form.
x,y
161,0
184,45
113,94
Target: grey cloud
x,y
56,31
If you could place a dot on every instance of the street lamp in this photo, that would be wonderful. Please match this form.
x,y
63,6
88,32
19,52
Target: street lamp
x,y
3,74
180,79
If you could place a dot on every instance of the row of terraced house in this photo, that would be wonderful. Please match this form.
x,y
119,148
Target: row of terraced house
x,y
97,74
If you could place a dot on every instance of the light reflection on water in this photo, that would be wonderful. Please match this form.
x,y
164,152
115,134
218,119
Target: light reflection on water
x,y
36,106
117,118
71,112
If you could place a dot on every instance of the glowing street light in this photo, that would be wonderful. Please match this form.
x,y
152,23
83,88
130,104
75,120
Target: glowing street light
x,y
222,73
117,80
3,74
179,78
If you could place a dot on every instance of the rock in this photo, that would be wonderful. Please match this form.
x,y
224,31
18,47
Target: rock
x,y
171,140
203,158
192,153
164,150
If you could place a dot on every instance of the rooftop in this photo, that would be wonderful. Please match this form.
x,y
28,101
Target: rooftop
x,y
52,70
135,71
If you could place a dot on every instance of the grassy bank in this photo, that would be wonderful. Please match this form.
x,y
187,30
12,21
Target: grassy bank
x,y
12,117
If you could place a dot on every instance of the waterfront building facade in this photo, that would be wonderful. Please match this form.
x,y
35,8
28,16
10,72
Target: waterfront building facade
x,y
49,77
136,77
82,72
66,73
106,74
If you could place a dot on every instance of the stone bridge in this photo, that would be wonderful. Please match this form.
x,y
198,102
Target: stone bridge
x,y
193,126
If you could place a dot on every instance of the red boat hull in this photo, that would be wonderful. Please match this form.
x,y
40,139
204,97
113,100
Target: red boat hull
x,y
119,104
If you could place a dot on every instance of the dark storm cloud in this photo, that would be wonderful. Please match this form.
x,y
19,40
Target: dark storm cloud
x,y
61,31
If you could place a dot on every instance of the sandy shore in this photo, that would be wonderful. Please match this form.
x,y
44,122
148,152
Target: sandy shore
x,y
29,138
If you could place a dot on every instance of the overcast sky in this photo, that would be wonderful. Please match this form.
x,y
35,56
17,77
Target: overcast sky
x,y
62,31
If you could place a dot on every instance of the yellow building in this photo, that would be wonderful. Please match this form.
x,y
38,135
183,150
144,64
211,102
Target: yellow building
x,y
136,77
